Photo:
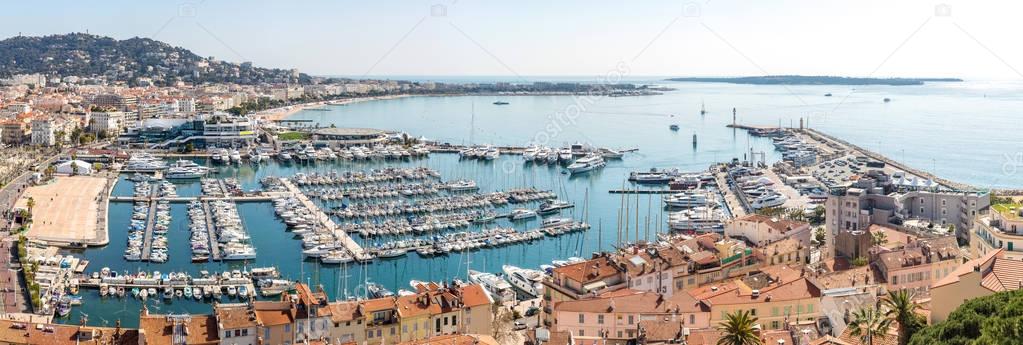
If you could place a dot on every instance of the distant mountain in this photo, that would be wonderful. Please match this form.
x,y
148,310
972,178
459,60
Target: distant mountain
x,y
815,80
129,60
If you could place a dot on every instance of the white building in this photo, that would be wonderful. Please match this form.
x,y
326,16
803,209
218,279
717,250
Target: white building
x,y
761,230
110,122
43,132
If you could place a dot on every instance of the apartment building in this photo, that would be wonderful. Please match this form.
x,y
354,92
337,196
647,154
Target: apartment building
x,y
615,317
110,122
919,264
236,324
442,310
759,229
275,320
986,275
778,295
874,199
16,131
348,320
177,329
1002,228
312,313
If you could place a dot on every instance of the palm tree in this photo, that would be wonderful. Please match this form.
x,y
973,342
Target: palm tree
x,y
902,309
739,329
868,323
880,238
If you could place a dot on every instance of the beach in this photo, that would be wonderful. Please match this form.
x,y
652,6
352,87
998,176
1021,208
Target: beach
x,y
277,114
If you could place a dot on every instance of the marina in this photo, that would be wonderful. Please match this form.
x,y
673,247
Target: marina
x,y
388,206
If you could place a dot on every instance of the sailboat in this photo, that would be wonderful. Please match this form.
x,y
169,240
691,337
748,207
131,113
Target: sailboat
x,y
703,110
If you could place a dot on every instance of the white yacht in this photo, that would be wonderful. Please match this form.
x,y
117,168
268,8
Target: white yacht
x,y
688,199
529,281
698,219
555,222
585,164
530,153
491,153
461,185
522,213
500,289
239,253
769,200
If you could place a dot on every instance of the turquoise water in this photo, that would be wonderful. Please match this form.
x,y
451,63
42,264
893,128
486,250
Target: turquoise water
x,y
961,130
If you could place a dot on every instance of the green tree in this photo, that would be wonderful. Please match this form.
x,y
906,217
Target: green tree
x,y
901,307
879,238
818,215
868,323
31,203
738,329
820,234
993,319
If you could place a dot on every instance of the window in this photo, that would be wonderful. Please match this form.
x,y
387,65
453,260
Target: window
x,y
600,319
582,332
809,308
582,318
753,311
245,332
369,334
287,328
631,319
266,333
237,332
404,329
454,320
774,311
445,320
227,334
692,319
392,330
774,324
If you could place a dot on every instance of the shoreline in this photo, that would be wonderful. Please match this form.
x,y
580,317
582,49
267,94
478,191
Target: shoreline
x,y
282,113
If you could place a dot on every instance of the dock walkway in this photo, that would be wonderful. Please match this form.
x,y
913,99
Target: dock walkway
x,y
187,199
211,232
353,247
147,242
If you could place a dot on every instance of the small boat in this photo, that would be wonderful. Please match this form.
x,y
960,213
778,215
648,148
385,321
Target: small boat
x,y
120,291
674,127
886,99
392,253
243,291
187,292
197,293
501,103
143,294
232,291
827,94
178,293
168,293
151,292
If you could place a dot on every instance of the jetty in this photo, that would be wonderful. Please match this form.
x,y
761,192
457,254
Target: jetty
x,y
324,220
214,248
147,242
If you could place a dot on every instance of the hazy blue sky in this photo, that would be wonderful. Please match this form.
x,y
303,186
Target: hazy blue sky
x,y
980,39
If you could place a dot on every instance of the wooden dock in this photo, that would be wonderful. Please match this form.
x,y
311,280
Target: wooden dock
x,y
211,232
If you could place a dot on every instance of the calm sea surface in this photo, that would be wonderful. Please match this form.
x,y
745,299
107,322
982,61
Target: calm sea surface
x,y
963,131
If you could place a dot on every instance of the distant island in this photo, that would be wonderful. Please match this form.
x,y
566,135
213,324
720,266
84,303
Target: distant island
x,y
814,80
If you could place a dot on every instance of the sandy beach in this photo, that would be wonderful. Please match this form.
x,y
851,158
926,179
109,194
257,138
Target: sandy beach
x,y
282,113
66,210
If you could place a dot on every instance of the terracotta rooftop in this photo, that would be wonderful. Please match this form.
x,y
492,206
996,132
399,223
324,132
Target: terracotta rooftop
x,y
274,313
64,334
1005,275
588,271
640,302
968,267
198,329
378,304
234,316
344,311
776,224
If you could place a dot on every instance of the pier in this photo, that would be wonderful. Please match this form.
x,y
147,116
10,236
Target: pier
x,y
147,242
324,220
211,232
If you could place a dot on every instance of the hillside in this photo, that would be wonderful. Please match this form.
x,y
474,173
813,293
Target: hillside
x,y
128,60
995,319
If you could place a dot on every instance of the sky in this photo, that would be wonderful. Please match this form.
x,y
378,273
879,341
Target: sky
x,y
967,39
